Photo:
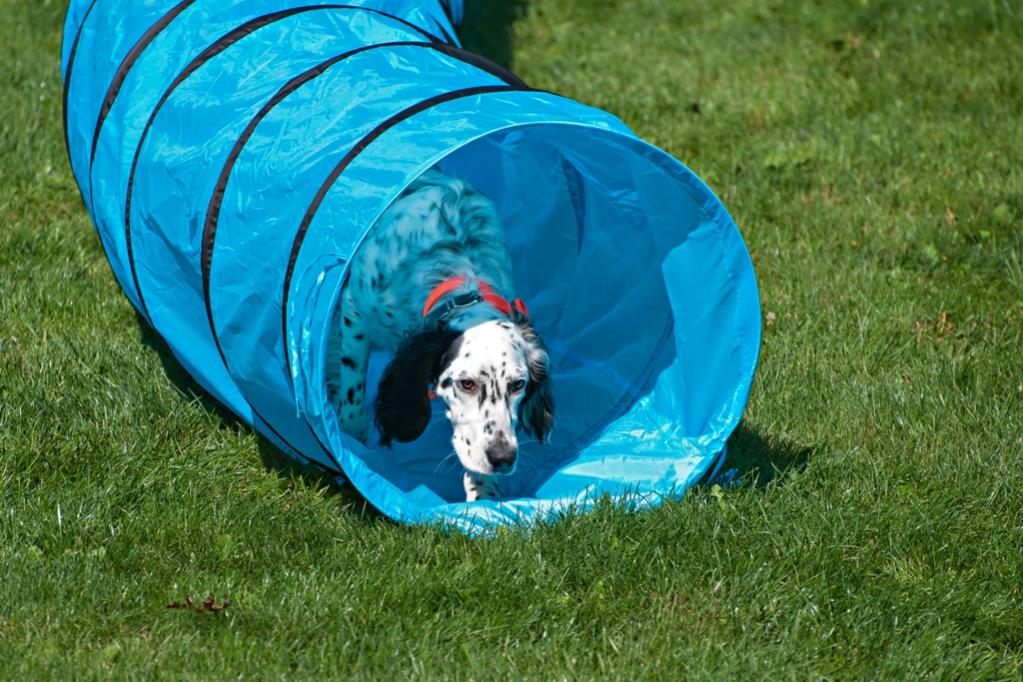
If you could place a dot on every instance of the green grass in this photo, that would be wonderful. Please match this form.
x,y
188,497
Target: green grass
x,y
870,152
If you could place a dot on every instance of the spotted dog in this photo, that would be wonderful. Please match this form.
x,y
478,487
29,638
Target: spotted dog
x,y
432,283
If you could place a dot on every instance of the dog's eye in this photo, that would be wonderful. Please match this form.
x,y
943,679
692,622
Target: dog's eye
x,y
517,386
467,385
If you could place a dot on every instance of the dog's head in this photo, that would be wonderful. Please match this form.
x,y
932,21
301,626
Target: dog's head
x,y
491,377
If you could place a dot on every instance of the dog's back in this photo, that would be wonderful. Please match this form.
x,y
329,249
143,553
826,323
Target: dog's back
x,y
439,228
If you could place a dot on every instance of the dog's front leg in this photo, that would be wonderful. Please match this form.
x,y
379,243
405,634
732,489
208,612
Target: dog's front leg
x,y
480,487
349,353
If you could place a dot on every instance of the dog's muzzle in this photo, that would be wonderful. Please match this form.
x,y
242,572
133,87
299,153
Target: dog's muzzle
x,y
501,455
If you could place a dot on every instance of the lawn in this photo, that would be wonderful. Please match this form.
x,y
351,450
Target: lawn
x,y
870,152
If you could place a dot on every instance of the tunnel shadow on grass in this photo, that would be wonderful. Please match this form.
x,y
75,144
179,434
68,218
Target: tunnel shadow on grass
x,y
182,380
270,455
288,467
488,29
757,461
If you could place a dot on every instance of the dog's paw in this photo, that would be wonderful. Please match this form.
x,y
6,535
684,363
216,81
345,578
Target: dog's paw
x,y
479,487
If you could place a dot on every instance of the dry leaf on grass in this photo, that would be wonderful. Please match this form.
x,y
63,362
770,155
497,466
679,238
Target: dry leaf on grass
x,y
210,605
950,216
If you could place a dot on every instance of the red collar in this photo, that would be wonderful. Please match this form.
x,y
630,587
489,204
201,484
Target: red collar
x,y
486,294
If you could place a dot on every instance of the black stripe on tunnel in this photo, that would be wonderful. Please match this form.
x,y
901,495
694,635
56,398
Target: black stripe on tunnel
x,y
210,52
125,66
481,62
346,161
67,73
448,38
446,6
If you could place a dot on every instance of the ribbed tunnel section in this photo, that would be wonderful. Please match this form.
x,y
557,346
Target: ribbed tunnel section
x,y
233,156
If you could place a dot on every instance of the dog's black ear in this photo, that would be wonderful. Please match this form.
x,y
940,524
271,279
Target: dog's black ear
x,y
402,404
536,411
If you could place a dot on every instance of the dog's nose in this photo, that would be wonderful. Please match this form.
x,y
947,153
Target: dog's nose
x,y
501,454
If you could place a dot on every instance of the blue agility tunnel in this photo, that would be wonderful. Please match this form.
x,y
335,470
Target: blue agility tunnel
x,y
233,155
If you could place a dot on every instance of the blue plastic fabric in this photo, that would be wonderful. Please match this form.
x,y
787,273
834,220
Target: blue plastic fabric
x,y
233,156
